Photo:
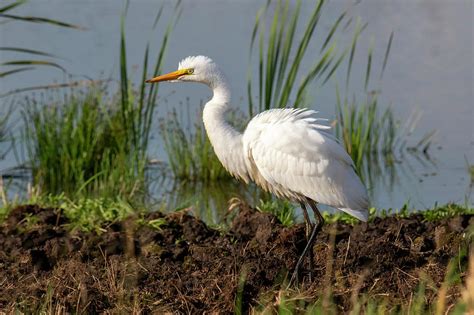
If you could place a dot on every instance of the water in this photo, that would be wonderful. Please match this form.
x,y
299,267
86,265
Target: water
x,y
430,71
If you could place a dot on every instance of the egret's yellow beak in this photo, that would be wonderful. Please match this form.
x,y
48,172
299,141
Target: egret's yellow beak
x,y
169,76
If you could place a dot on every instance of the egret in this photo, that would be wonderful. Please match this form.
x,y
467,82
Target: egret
x,y
287,151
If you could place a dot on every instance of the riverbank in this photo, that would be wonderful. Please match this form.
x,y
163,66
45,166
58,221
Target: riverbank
x,y
175,263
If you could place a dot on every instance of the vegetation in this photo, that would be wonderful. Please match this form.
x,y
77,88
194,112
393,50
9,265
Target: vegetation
x,y
280,54
368,136
79,146
289,301
21,65
283,210
88,145
190,154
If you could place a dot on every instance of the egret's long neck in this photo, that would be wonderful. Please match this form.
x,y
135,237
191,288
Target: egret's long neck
x,y
225,139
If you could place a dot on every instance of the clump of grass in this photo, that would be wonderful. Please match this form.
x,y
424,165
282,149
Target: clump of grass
x,y
90,145
280,54
79,146
88,214
438,212
368,135
190,154
283,210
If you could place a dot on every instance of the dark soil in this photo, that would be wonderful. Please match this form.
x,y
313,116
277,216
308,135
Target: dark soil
x,y
187,267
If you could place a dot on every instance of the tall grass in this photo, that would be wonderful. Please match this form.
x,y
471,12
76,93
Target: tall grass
x,y
24,64
87,144
79,146
281,52
190,154
367,133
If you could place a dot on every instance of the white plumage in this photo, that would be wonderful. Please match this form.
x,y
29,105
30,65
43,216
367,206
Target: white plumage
x,y
299,159
287,152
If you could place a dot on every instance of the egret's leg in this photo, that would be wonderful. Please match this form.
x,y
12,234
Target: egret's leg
x,y
311,240
309,228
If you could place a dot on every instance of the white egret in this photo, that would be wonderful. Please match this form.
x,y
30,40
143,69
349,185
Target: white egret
x,y
284,151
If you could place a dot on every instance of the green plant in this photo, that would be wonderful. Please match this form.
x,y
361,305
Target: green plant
x,y
80,147
22,65
88,145
190,154
280,55
283,210
88,214
367,135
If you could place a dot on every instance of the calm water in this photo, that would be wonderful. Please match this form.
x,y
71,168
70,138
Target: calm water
x,y
430,71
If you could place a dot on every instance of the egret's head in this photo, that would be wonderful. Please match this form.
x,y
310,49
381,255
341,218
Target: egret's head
x,y
193,69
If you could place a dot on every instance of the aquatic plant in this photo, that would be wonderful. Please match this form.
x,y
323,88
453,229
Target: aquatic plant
x,y
283,210
78,146
281,52
23,65
367,134
87,144
190,153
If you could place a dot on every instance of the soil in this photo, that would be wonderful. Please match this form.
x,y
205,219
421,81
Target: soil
x,y
187,267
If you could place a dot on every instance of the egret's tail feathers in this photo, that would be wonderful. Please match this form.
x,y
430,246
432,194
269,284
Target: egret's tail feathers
x,y
361,214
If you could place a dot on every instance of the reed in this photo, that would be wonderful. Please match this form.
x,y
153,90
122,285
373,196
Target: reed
x,y
190,153
368,134
24,64
86,144
281,52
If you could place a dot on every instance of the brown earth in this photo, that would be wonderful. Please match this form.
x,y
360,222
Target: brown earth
x,y
187,267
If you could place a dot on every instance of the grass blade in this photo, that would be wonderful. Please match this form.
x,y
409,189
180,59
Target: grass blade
x,y
369,64
7,73
32,63
35,19
27,51
387,52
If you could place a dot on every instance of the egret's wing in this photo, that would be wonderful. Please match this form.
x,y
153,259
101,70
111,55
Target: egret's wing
x,y
295,154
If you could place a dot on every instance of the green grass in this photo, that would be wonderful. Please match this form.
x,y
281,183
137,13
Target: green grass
x,y
437,212
78,146
368,135
87,144
281,51
89,214
283,210
25,64
190,154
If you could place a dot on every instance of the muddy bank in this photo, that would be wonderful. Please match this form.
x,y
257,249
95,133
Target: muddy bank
x,y
184,266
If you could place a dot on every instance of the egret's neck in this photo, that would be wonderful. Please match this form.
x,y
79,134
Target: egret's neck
x,y
225,139
215,110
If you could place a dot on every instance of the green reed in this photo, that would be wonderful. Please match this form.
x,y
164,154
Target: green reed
x,y
87,144
281,52
190,153
79,146
24,64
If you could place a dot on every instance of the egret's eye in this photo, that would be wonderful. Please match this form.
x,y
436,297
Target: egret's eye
x,y
190,71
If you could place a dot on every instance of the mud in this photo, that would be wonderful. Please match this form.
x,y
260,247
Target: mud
x,y
187,267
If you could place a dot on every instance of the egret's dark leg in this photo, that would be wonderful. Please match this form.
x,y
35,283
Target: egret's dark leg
x,y
311,240
308,230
